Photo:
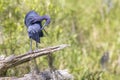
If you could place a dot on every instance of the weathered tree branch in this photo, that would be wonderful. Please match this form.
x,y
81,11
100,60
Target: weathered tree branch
x,y
13,60
45,75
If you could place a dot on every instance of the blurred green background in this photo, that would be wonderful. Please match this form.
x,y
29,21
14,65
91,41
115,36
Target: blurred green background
x,y
91,27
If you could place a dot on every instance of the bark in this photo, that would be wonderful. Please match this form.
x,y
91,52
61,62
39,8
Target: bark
x,y
13,60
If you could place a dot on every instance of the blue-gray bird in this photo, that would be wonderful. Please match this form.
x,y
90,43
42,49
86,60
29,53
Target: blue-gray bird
x,y
104,60
33,22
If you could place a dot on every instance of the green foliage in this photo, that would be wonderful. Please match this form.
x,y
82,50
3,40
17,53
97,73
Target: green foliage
x,y
84,24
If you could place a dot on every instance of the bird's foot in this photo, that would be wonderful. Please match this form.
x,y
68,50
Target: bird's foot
x,y
36,50
30,51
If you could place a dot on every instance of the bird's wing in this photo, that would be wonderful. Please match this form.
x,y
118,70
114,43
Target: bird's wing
x,y
34,32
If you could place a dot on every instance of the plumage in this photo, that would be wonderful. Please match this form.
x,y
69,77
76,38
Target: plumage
x,y
35,32
33,23
104,59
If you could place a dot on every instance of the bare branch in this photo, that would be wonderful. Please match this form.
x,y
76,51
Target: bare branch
x,y
13,60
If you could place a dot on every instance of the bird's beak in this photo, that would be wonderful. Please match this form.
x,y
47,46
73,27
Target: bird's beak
x,y
44,29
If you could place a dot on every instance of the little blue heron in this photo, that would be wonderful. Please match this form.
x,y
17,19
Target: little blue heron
x,y
104,59
33,22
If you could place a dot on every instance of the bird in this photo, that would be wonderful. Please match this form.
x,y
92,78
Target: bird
x,y
33,22
104,59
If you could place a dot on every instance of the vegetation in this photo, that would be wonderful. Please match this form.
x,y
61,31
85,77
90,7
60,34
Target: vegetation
x,y
91,27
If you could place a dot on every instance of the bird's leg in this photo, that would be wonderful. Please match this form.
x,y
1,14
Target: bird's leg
x,y
36,69
36,45
30,45
31,64
33,61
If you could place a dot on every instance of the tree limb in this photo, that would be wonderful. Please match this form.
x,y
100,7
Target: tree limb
x,y
13,60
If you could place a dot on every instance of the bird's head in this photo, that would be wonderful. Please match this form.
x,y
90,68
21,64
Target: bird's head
x,y
47,19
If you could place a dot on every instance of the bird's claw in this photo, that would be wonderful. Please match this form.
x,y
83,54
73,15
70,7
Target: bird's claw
x,y
36,50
